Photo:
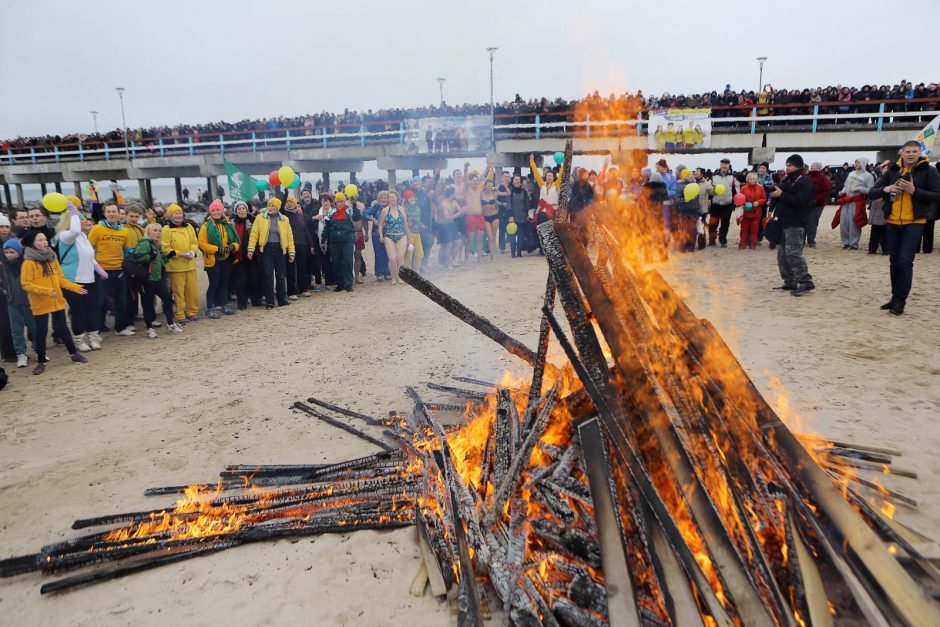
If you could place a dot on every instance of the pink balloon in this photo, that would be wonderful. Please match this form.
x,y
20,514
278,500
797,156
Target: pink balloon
x,y
740,199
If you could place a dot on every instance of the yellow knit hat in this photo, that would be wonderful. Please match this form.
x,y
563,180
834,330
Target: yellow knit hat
x,y
340,196
275,201
173,208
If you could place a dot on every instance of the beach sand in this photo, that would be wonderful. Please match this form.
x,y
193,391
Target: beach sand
x,y
87,440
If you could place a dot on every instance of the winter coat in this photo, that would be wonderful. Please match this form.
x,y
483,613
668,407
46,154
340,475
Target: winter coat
x,y
176,241
690,207
146,253
262,227
729,183
858,181
792,207
10,281
926,194
210,251
298,228
341,231
822,187
39,286
754,194
76,254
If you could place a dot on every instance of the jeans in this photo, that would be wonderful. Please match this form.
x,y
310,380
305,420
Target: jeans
x,y
381,258
150,289
790,260
219,276
42,328
902,242
812,224
877,239
719,223
85,311
926,245
298,281
115,286
341,258
21,316
274,269
427,241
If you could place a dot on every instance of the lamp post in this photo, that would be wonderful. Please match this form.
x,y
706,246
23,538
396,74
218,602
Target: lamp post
x,y
440,83
120,91
94,118
760,80
491,50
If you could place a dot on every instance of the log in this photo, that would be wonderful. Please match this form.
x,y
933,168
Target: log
x,y
420,581
538,368
502,438
883,491
866,465
375,422
445,407
439,585
341,425
463,313
472,395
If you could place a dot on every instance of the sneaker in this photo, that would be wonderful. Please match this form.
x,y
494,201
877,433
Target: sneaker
x,y
175,328
39,369
182,322
228,311
317,288
78,358
22,360
306,294
156,325
269,306
213,314
293,297
193,318
128,331
152,334
80,343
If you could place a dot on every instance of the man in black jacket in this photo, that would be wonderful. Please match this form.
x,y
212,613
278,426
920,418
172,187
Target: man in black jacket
x,y
298,281
911,190
791,208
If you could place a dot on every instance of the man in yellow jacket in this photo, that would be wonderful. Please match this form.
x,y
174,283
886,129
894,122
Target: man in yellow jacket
x,y
180,244
273,239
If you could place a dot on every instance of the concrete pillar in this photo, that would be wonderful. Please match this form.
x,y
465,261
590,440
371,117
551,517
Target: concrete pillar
x,y
42,188
20,199
58,186
891,154
213,188
179,191
77,188
392,178
149,193
326,181
142,191
6,194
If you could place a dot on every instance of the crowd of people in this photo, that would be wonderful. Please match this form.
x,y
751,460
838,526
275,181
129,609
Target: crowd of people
x,y
107,260
769,101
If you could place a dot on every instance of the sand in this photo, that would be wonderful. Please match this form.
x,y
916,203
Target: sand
x,y
87,440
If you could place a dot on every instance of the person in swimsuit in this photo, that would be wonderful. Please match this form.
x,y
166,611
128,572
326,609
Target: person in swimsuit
x,y
490,214
473,207
394,234
445,210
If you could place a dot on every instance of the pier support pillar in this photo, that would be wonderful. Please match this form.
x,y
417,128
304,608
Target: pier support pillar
x,y
143,188
20,199
179,191
392,178
8,198
42,188
213,188
77,189
326,182
58,186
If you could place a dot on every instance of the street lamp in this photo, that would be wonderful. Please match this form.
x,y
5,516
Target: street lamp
x,y
491,50
440,82
120,91
760,80
94,117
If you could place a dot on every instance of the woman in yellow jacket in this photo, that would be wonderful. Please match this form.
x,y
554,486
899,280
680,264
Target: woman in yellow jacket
x,y
218,242
180,246
272,238
43,282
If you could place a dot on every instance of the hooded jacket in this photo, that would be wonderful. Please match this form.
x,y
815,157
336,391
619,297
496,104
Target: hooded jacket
x,y
38,286
859,181
176,241
926,194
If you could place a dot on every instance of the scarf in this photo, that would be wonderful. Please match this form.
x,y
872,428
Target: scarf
x,y
339,214
116,227
214,231
43,257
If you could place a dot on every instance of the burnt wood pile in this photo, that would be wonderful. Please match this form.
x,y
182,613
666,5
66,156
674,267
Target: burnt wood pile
x,y
645,481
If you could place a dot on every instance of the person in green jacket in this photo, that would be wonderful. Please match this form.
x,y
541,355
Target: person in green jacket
x,y
339,233
148,252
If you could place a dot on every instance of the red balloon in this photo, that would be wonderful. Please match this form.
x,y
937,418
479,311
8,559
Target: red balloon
x,y
274,179
740,199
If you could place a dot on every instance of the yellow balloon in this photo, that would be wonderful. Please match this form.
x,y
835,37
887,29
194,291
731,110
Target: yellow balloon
x,y
287,175
54,202
691,191
75,201
351,190
720,189
685,173
511,228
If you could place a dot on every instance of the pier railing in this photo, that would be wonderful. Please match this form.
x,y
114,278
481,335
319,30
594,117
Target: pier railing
x,y
874,115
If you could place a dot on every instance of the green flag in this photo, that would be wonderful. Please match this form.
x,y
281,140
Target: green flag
x,y
241,186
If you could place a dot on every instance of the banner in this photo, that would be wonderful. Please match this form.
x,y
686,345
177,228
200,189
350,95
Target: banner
x,y
927,137
240,185
443,135
679,129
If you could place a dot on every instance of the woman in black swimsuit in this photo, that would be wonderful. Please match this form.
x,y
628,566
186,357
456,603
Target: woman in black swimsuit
x,y
490,214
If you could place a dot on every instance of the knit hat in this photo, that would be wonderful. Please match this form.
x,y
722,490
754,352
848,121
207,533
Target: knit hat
x,y
275,201
28,238
216,204
795,160
4,220
173,208
408,195
815,165
14,243
340,196
292,199
240,203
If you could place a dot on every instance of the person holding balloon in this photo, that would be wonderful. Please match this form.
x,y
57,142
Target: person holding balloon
x,y
372,215
722,206
77,259
752,198
689,211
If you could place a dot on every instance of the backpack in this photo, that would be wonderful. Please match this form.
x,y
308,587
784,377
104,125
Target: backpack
x,y
136,270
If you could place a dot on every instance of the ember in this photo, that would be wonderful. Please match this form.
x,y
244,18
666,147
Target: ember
x,y
645,482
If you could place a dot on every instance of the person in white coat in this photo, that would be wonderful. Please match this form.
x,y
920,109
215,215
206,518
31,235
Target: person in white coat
x,y
858,182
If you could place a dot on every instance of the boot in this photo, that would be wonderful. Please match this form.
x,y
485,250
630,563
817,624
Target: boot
x,y
81,344
94,340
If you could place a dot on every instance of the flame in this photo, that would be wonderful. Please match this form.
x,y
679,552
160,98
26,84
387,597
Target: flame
x,y
888,508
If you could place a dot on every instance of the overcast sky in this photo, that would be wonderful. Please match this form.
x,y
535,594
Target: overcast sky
x,y
199,60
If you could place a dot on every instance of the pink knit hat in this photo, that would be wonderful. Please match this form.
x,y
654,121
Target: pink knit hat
x,y
216,204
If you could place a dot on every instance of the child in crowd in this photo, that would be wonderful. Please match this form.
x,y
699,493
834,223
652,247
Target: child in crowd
x,y
756,197
17,301
43,282
149,252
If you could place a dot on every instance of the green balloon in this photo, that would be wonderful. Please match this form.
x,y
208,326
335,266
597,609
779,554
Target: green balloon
x,y
295,183
261,185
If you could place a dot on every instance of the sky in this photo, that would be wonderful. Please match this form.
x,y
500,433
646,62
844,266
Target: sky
x,y
207,60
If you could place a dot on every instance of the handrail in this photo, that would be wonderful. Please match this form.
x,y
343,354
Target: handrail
x,y
115,150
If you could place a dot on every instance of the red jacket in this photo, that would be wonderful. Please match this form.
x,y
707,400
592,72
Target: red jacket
x,y
755,195
821,188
